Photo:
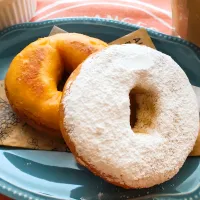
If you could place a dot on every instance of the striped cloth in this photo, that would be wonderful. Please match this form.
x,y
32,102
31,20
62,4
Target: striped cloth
x,y
155,14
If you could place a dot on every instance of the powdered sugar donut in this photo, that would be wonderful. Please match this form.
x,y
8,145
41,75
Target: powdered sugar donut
x,y
95,115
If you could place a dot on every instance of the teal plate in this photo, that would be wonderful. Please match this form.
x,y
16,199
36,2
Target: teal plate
x,y
41,175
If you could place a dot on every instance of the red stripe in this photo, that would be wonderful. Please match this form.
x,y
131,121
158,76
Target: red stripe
x,y
116,12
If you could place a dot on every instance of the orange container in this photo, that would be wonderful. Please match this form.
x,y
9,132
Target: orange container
x,y
186,19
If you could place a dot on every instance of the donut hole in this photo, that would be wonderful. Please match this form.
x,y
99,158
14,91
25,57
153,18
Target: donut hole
x,y
133,109
142,110
62,81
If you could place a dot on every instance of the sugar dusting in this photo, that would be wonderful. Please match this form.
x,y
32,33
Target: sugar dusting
x,y
100,195
97,107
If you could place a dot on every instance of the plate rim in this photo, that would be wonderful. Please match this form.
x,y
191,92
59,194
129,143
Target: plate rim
x,y
13,191
104,21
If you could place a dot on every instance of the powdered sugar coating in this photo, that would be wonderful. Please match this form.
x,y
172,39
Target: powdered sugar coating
x,y
97,106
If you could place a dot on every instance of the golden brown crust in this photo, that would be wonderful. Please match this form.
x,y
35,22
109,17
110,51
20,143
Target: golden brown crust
x,y
32,78
36,124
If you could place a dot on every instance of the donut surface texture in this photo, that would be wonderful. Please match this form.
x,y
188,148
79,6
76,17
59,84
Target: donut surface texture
x,y
95,115
32,79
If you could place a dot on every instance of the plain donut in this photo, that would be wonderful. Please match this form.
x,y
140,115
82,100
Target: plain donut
x,y
33,76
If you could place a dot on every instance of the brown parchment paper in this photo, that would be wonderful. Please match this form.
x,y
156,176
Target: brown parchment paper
x,y
139,37
56,30
16,133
